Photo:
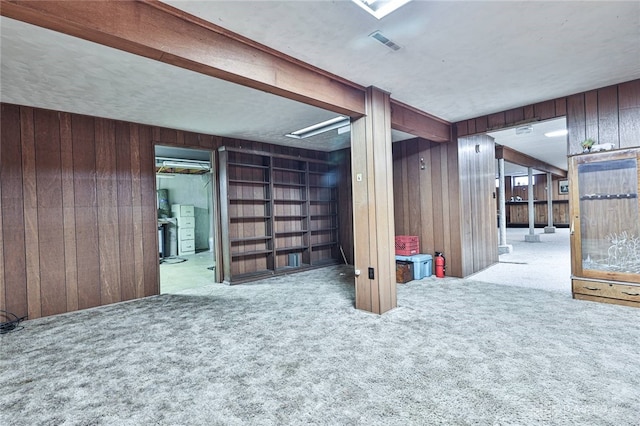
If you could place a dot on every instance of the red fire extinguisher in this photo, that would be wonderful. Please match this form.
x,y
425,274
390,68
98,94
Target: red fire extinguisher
x,y
440,261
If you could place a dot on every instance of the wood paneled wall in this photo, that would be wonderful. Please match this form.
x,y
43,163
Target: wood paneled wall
x,y
427,198
539,189
608,115
78,208
476,159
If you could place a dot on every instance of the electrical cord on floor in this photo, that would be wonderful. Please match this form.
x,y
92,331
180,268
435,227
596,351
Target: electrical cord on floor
x,y
171,260
12,323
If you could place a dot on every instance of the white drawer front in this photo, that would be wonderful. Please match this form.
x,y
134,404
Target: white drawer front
x,y
182,210
186,211
186,222
187,246
187,234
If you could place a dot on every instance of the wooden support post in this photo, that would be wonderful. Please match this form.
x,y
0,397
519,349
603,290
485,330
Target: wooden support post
x,y
372,175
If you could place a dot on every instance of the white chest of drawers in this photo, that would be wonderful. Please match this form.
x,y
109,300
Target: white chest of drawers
x,y
185,215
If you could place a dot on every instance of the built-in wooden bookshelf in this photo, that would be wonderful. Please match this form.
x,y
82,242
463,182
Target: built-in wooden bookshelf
x,y
279,213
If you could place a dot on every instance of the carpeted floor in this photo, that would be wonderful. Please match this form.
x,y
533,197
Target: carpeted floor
x,y
292,350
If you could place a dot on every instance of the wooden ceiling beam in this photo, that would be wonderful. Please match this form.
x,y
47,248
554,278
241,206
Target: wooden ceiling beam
x,y
158,31
161,32
516,157
418,123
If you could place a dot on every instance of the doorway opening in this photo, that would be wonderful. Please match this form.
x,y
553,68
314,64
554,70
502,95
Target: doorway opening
x,y
185,203
543,262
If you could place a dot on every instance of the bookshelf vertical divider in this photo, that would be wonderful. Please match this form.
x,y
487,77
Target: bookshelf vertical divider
x,y
278,213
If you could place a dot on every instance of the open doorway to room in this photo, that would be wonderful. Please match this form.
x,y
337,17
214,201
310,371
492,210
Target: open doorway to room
x,y
185,218
538,254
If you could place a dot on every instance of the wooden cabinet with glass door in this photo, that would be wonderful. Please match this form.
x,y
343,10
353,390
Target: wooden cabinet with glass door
x,y
605,226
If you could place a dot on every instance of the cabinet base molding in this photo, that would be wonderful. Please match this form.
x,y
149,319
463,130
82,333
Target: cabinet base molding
x,y
606,300
258,275
606,292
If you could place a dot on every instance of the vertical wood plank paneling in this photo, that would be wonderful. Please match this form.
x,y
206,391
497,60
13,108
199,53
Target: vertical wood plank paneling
x,y
68,211
413,184
435,169
591,115
29,189
360,215
180,137
608,129
15,276
404,189
576,123
545,110
425,197
529,113
84,175
3,300
50,215
561,107
448,187
136,201
462,127
469,218
125,211
471,126
513,116
496,121
629,103
108,223
481,124
149,211
398,160
34,304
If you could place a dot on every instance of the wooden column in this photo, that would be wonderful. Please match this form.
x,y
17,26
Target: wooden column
x,y
372,177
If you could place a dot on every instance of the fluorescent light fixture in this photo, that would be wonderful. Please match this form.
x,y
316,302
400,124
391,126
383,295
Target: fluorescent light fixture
x,y
316,129
186,164
165,175
556,133
380,8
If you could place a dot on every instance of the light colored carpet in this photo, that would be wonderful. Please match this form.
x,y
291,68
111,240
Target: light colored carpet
x,y
545,265
293,350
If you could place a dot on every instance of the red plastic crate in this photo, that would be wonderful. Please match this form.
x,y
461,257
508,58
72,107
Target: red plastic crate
x,y
407,245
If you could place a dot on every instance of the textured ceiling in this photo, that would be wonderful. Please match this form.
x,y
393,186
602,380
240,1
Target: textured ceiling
x,y
458,60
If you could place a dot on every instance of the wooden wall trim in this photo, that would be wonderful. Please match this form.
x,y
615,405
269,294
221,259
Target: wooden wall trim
x,y
516,157
163,33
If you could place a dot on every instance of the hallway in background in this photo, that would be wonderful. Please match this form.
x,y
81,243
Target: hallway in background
x,y
545,265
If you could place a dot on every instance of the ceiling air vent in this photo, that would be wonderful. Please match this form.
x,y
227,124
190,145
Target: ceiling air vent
x,y
382,39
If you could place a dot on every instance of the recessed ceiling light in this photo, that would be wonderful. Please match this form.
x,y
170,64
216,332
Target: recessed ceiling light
x,y
316,129
556,133
380,8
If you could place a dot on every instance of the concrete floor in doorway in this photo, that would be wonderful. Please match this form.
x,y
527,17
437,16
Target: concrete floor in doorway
x,y
544,265
186,272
